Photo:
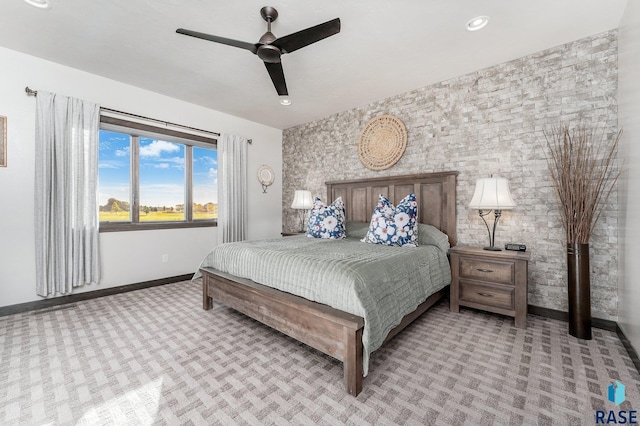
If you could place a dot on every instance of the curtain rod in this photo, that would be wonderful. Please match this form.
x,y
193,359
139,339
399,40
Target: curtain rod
x,y
31,92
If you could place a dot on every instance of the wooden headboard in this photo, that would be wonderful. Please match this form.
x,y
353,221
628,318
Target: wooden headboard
x,y
435,194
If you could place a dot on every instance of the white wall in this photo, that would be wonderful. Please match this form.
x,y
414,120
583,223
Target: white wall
x,y
629,202
128,257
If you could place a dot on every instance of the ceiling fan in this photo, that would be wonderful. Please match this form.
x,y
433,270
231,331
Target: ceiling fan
x,y
270,49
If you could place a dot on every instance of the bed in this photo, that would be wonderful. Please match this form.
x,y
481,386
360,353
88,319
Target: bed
x,y
338,331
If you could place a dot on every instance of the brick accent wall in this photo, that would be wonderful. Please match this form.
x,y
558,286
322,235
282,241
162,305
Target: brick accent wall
x,y
487,122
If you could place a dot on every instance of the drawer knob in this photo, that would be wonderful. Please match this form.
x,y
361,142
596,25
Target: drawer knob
x,y
484,270
485,294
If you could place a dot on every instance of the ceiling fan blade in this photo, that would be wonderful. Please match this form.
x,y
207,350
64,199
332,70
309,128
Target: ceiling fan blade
x,y
253,48
295,41
277,77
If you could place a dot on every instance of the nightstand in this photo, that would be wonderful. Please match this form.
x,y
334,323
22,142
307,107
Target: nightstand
x,y
291,233
494,281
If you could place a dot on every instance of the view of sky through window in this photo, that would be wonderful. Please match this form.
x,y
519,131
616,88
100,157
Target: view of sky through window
x,y
114,176
205,183
161,174
162,179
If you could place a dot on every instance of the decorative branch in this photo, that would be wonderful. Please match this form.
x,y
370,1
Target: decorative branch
x,y
582,163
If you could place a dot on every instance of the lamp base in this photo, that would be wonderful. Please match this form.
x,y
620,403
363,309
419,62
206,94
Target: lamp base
x,y
492,235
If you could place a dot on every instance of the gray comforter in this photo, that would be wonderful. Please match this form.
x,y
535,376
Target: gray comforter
x,y
379,283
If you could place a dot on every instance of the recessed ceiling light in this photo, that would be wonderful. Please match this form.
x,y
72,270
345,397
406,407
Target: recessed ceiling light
x,y
285,101
41,4
477,23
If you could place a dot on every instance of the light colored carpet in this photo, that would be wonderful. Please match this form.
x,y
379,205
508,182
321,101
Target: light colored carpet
x,y
154,356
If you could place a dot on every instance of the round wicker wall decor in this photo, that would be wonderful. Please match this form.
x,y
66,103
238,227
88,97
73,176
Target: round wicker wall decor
x,y
382,142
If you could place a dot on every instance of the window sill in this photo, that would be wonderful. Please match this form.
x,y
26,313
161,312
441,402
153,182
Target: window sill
x,y
149,226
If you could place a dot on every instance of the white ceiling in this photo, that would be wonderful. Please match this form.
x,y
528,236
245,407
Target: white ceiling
x,y
384,48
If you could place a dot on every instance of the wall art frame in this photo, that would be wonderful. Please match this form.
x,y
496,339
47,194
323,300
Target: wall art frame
x,y
3,141
266,176
382,142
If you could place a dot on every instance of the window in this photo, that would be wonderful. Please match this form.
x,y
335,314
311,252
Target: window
x,y
114,177
205,178
162,180
154,178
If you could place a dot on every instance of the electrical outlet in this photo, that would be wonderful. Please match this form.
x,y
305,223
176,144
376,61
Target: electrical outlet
x,y
165,258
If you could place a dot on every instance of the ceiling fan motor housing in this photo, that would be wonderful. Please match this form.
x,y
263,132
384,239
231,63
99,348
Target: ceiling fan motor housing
x,y
269,53
266,51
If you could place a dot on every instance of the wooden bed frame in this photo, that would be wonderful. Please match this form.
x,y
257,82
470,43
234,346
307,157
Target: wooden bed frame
x,y
333,332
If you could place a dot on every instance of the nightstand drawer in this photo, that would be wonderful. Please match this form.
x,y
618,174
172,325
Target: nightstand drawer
x,y
487,270
488,294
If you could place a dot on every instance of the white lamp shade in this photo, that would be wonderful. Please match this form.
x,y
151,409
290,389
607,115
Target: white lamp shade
x,y
302,200
492,193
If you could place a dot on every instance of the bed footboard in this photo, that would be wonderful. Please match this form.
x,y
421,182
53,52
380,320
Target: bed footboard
x,y
333,332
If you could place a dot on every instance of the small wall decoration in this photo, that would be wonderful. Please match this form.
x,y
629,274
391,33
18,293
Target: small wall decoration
x,y
382,142
3,141
266,176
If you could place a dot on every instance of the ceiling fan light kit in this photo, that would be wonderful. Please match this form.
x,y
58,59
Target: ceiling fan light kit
x,y
270,48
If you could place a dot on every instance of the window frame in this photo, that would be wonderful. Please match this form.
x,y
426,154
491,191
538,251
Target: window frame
x,y
189,140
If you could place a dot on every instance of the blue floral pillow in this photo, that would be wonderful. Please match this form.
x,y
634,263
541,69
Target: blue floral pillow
x,y
327,221
394,226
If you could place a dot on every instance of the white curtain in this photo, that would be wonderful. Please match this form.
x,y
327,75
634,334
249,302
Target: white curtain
x,y
232,188
66,193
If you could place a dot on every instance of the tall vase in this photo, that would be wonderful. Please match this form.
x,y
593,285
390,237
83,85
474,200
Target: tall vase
x,y
579,290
